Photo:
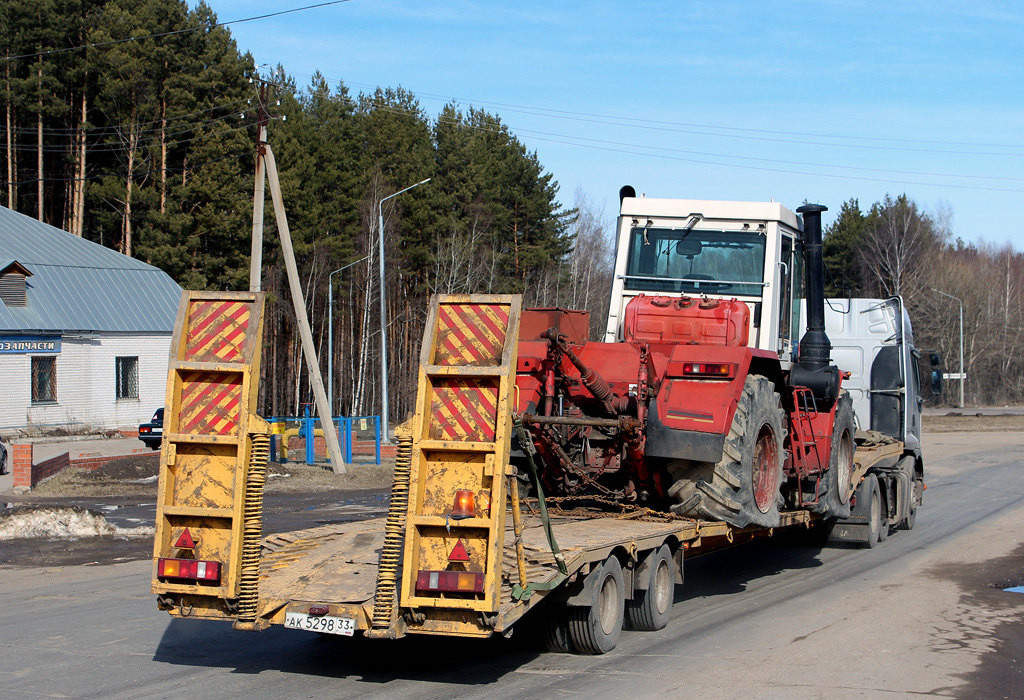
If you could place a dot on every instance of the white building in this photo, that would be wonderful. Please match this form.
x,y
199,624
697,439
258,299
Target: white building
x,y
84,331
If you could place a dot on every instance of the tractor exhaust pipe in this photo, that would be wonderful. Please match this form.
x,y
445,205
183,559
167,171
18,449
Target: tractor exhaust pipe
x,y
814,368
815,347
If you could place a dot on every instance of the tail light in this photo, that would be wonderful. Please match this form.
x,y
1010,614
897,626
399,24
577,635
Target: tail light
x,y
143,429
709,369
188,569
450,581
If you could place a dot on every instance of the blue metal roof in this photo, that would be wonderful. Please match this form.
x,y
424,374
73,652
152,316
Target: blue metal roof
x,y
78,285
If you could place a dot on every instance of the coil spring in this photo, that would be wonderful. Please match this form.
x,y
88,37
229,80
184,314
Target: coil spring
x,y
252,528
385,596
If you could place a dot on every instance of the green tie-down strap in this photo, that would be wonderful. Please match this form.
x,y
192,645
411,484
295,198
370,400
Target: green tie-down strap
x,y
519,592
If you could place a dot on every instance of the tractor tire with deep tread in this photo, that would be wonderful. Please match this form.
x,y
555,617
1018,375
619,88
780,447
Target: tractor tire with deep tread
x,y
650,609
835,501
743,488
595,629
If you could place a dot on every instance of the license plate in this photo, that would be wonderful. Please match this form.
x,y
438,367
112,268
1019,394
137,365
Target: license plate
x,y
158,431
320,623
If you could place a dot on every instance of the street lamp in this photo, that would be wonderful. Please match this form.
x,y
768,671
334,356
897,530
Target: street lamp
x,y
383,316
330,331
963,377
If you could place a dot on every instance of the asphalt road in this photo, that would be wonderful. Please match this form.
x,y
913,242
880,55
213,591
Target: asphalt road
x,y
923,614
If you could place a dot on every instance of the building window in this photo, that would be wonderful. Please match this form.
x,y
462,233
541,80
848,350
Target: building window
x,y
127,378
44,380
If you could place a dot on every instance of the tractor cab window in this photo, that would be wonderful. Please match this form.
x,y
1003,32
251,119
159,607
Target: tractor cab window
x,y
785,295
695,261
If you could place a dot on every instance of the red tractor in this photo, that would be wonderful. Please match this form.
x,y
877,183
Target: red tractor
x,y
699,400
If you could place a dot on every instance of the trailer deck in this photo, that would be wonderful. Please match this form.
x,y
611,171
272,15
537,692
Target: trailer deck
x,y
334,567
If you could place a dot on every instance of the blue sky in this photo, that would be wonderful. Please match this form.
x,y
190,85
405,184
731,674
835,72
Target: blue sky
x,y
821,101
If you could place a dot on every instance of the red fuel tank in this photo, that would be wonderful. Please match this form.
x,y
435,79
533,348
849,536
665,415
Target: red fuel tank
x,y
690,320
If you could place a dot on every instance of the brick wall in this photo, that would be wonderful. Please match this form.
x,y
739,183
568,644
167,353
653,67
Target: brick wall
x,y
46,469
21,466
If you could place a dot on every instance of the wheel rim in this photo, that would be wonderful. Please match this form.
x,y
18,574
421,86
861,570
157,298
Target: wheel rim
x,y
844,464
766,469
663,585
608,614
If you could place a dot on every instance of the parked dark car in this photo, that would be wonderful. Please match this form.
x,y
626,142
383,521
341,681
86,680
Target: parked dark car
x,y
152,432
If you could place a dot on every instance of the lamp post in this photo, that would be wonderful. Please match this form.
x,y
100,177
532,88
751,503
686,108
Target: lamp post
x,y
383,316
330,331
963,377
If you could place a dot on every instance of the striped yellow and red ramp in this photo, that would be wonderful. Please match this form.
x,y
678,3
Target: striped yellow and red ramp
x,y
461,433
212,383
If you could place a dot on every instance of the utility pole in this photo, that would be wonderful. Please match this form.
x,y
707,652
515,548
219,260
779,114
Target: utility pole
x,y
384,433
256,255
265,162
330,329
963,377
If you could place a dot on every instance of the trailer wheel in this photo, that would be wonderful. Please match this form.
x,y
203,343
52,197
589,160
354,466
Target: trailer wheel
x,y
744,487
595,629
554,630
649,610
835,501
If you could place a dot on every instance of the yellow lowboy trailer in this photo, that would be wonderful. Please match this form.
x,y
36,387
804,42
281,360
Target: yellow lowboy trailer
x,y
459,553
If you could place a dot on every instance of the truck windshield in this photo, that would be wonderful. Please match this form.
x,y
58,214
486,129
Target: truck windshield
x,y
695,261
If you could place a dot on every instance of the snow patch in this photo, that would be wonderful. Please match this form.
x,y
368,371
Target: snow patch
x,y
63,524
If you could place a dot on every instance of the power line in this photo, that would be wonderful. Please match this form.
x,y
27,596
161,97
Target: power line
x,y
172,33
679,127
614,147
104,130
139,173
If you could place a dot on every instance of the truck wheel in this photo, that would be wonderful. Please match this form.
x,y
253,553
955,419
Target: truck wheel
x,y
595,629
743,488
911,519
915,493
835,501
871,508
649,610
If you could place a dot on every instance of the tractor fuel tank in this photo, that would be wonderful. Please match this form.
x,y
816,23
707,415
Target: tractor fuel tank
x,y
686,320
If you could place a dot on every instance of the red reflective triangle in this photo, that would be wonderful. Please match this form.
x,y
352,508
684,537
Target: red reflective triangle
x,y
185,541
459,553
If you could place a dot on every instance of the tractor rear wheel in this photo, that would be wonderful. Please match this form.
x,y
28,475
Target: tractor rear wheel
x,y
835,501
743,487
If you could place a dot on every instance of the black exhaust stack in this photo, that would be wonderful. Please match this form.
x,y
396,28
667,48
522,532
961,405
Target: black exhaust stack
x,y
814,368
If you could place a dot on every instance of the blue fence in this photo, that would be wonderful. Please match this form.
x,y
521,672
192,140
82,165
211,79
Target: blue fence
x,y
344,425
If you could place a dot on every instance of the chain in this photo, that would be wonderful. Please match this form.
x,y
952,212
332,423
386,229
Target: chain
x,y
626,510
548,434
